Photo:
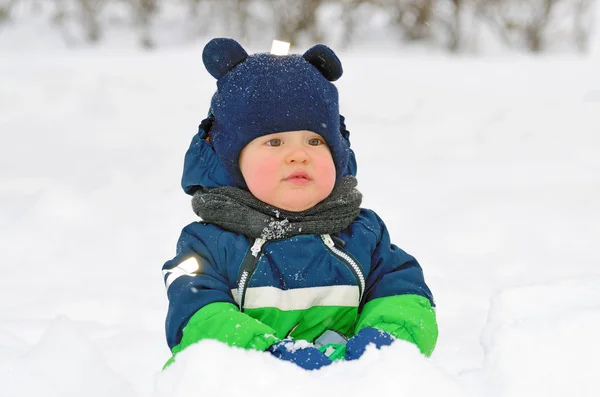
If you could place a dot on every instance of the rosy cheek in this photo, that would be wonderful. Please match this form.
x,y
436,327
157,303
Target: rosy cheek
x,y
326,174
267,170
261,178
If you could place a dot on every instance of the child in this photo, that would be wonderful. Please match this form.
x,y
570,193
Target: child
x,y
284,252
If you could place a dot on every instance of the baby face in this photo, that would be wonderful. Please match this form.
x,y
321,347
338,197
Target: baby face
x,y
291,170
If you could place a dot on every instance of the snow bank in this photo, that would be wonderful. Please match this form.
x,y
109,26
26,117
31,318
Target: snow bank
x,y
543,340
63,364
215,370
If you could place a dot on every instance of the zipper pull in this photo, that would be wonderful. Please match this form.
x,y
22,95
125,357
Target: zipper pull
x,y
258,243
328,240
340,243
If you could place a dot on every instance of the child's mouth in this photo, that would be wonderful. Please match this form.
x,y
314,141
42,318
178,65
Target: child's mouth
x,y
298,178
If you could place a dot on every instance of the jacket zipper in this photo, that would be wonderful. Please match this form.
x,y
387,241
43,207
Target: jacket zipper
x,y
349,261
247,268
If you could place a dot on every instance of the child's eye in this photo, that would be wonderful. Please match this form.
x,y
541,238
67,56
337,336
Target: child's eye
x,y
315,141
274,142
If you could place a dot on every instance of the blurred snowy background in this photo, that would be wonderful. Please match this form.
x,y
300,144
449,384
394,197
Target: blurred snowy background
x,y
471,26
476,126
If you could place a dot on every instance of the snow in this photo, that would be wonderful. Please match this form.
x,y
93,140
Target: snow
x,y
485,169
376,373
64,363
557,321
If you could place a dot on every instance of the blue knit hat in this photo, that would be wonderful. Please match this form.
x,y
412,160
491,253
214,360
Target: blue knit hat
x,y
263,94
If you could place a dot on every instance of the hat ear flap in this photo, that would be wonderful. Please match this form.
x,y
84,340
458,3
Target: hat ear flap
x,y
220,55
202,167
324,59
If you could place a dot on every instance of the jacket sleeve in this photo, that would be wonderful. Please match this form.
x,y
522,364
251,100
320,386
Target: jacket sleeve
x,y
397,299
201,305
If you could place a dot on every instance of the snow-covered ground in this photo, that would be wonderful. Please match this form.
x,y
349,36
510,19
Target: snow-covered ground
x,y
487,170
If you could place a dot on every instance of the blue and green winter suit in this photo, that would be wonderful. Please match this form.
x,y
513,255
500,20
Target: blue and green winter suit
x,y
254,293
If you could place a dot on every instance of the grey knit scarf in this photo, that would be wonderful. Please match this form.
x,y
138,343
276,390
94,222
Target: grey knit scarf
x,y
237,210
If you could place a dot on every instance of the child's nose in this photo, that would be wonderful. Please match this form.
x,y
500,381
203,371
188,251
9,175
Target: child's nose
x,y
297,156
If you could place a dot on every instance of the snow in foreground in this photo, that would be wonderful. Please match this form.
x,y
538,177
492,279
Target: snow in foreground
x,y
486,170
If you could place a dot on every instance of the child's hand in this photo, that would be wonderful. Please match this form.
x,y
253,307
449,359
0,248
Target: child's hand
x,y
307,356
356,346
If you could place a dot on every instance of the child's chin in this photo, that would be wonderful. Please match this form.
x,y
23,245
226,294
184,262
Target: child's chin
x,y
296,206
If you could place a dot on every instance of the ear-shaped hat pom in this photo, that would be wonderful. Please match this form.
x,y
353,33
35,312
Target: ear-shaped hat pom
x,y
221,55
324,59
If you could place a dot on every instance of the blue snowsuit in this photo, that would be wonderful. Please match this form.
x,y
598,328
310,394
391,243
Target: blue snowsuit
x,y
253,294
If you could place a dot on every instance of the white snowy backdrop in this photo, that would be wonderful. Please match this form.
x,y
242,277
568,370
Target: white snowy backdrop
x,y
486,169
